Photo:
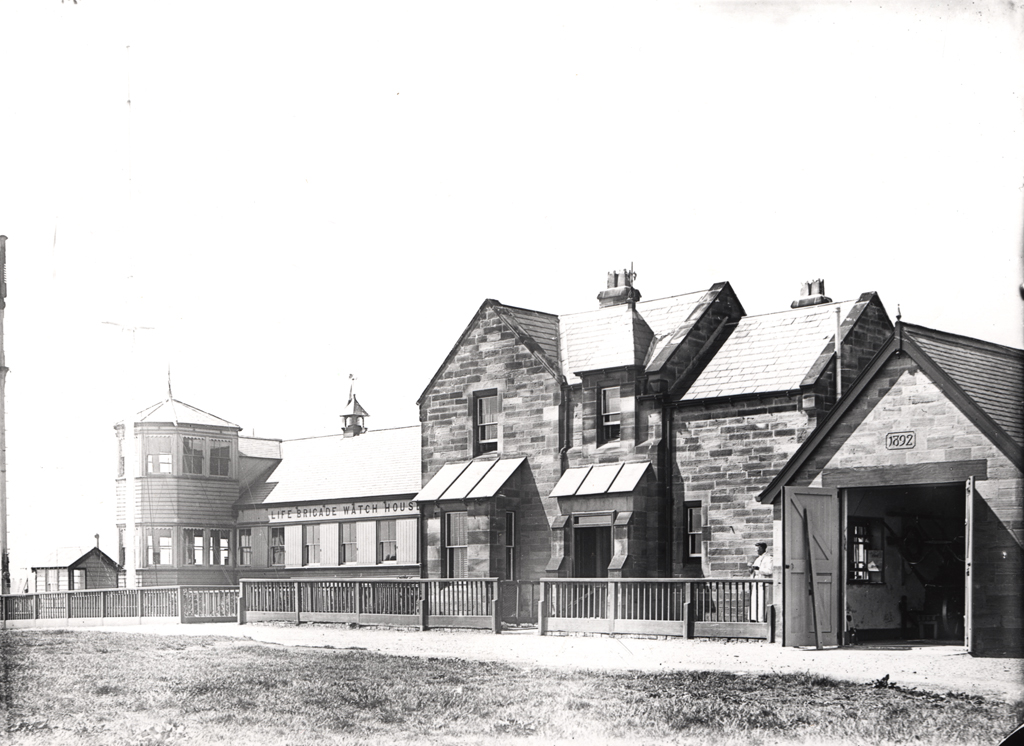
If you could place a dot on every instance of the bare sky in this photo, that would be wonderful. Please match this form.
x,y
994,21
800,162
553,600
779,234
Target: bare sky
x,y
320,189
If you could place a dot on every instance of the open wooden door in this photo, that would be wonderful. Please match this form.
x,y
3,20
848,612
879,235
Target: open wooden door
x,y
812,563
968,564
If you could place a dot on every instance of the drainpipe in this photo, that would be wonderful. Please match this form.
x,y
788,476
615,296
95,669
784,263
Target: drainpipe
x,y
839,355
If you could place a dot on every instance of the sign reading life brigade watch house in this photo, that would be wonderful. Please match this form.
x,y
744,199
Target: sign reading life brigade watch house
x,y
375,509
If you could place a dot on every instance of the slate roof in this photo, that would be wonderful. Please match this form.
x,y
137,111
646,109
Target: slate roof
x,y
990,374
541,327
377,463
622,335
604,338
769,353
172,410
259,447
981,378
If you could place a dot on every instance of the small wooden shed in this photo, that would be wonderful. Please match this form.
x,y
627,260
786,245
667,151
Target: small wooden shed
x,y
73,571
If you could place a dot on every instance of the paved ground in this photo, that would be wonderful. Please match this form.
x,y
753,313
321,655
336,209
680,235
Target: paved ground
x,y
941,668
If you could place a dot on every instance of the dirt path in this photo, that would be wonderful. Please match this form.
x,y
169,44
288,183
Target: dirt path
x,y
939,668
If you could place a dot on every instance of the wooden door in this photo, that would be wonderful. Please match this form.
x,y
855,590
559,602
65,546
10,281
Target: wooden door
x,y
811,553
968,564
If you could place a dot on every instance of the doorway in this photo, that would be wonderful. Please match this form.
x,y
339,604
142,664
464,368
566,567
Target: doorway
x,y
592,551
904,563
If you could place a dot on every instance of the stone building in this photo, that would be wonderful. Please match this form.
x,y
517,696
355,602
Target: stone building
x,y
910,491
642,439
629,440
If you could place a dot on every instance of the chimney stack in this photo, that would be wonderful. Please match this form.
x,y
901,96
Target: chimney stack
x,y
620,289
812,293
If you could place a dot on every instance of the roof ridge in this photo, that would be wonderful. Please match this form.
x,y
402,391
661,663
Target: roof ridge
x,y
975,341
634,304
341,434
800,309
521,308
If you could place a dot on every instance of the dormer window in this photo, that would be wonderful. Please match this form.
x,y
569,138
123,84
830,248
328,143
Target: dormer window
x,y
486,422
611,414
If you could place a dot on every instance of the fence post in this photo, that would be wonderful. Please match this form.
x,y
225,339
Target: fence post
x,y
298,602
542,610
496,607
610,604
35,606
67,606
770,617
424,604
103,604
688,611
138,604
359,602
181,605
241,602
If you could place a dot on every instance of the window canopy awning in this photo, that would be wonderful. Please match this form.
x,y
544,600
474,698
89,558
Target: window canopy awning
x,y
600,479
469,480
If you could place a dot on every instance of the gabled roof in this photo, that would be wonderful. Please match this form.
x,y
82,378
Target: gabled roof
x,y
993,402
536,326
69,557
172,411
771,352
535,330
671,319
378,463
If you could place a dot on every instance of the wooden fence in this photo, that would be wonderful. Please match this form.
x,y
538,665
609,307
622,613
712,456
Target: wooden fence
x,y
698,607
419,603
181,604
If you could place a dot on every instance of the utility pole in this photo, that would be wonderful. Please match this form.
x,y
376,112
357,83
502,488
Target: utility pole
x,y
5,560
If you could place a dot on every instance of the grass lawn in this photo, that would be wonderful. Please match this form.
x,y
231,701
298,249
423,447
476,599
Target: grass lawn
x,y
61,687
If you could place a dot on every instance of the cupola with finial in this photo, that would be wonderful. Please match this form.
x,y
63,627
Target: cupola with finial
x,y
353,413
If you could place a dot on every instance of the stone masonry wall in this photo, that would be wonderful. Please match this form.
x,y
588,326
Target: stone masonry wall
x,y
530,402
725,455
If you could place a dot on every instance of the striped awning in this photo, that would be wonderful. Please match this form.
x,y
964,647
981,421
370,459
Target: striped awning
x,y
600,479
469,480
